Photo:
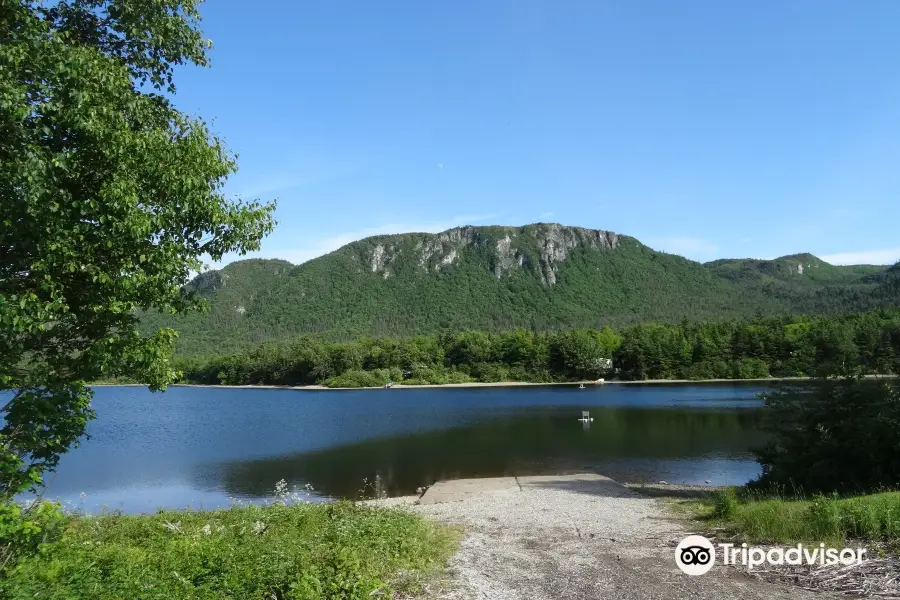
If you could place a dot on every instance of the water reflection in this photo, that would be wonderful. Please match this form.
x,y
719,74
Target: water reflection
x,y
689,446
198,446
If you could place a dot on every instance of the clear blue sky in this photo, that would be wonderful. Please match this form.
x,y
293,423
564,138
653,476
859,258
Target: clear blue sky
x,y
705,128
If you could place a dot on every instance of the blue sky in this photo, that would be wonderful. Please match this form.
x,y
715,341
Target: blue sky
x,y
706,128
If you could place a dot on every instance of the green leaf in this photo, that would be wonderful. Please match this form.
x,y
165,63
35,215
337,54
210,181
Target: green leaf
x,y
133,172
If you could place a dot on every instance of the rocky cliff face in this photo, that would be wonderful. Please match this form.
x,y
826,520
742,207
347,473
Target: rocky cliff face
x,y
210,281
541,247
556,242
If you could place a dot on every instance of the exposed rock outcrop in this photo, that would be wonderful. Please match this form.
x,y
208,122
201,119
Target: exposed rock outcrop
x,y
541,247
209,282
378,258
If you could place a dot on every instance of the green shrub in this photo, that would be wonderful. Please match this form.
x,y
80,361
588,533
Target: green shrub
x,y
357,378
24,528
823,517
874,517
519,373
437,376
458,377
750,368
489,372
835,436
725,503
425,374
293,552
708,369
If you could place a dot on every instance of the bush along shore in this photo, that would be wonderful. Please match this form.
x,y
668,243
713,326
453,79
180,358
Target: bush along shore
x,y
286,550
830,475
757,349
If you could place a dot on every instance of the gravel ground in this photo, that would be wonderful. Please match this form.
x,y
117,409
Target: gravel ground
x,y
572,539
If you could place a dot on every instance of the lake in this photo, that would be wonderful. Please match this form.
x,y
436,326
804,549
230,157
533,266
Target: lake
x,y
202,447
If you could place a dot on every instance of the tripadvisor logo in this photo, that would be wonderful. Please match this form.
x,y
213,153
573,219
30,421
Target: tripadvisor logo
x,y
696,555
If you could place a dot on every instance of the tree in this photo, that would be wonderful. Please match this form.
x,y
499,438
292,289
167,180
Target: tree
x,y
838,435
109,199
470,347
836,351
580,354
653,351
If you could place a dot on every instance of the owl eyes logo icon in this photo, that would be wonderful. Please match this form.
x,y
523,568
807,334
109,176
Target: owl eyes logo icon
x,y
695,555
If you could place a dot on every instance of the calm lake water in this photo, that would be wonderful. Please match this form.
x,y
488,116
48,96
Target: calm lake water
x,y
201,447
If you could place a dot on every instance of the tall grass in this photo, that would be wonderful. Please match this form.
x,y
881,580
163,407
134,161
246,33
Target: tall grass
x,y
793,519
277,551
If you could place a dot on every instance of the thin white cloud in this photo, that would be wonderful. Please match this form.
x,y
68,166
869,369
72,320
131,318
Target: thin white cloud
x,y
315,247
690,247
441,166
886,256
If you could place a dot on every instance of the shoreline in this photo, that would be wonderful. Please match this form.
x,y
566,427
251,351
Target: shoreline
x,y
480,384
581,536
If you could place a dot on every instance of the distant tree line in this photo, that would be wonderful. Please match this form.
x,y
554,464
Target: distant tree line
x,y
796,346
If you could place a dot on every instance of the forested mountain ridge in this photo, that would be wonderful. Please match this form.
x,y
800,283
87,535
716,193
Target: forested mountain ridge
x,y
541,277
802,269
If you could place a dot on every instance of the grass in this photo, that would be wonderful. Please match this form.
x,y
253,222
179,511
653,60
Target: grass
x,y
829,519
273,552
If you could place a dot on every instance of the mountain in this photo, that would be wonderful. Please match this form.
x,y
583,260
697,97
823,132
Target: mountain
x,y
541,276
796,269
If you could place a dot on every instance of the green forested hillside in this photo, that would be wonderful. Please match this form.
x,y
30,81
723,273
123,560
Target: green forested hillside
x,y
796,269
540,277
849,344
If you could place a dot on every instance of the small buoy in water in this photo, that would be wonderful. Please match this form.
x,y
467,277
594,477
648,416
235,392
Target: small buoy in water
x,y
581,387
